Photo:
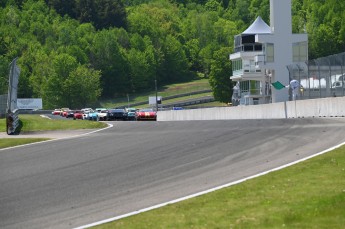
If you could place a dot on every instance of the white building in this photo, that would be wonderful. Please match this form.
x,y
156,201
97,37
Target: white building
x,y
262,54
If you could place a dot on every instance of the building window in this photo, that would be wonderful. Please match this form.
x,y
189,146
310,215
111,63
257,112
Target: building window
x,y
258,47
300,52
237,65
250,87
244,86
269,52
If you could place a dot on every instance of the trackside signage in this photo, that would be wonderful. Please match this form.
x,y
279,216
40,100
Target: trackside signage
x,y
29,104
152,100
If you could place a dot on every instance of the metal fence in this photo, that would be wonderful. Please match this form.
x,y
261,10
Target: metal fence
x,y
320,78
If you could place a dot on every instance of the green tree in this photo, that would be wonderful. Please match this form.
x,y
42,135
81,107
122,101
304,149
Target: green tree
x,y
240,11
9,33
75,86
213,5
220,75
323,42
32,64
201,2
123,37
64,64
18,3
140,77
156,20
224,31
324,26
86,11
110,13
107,56
299,17
174,67
52,93
143,63
4,67
259,8
37,65
63,7
103,14
82,87
192,51
206,54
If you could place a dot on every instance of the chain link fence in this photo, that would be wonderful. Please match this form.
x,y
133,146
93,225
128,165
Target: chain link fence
x,y
320,78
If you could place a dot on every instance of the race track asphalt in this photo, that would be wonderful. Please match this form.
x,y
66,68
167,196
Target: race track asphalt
x,y
68,183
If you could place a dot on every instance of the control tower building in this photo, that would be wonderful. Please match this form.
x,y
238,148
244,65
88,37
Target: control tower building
x,y
263,52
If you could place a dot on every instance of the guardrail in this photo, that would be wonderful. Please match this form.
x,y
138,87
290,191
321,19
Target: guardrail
x,y
167,97
189,102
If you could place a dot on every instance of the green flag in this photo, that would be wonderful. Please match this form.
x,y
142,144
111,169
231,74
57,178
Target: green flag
x,y
278,85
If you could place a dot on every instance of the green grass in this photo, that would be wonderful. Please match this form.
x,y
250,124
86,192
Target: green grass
x,y
183,98
181,88
169,90
206,105
9,142
38,123
310,194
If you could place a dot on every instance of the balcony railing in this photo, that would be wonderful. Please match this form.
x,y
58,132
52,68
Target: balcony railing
x,y
249,48
251,92
246,70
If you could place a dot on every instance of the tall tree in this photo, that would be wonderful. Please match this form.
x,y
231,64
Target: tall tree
x,y
259,8
107,56
63,7
324,26
70,84
82,87
4,75
102,14
175,65
156,20
86,11
110,13
220,76
143,63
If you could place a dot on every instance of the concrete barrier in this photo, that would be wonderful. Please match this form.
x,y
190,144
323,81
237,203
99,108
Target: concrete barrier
x,y
324,107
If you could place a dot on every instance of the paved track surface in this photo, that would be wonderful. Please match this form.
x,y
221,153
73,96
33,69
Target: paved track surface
x,y
133,165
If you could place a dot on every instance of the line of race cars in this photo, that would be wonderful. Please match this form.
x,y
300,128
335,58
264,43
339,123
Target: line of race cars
x,y
103,114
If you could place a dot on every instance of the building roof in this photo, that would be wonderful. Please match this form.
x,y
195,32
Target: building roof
x,y
258,27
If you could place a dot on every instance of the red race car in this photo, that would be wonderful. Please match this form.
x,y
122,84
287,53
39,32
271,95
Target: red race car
x,y
64,112
78,115
146,114
57,112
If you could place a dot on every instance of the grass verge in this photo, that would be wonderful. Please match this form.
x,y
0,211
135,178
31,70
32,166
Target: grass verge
x,y
207,105
6,142
310,194
38,123
173,89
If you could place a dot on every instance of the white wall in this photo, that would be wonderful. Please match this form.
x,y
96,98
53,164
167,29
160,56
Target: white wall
x,y
325,107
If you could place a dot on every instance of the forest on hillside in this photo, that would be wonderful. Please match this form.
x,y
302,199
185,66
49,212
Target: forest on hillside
x,y
73,52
